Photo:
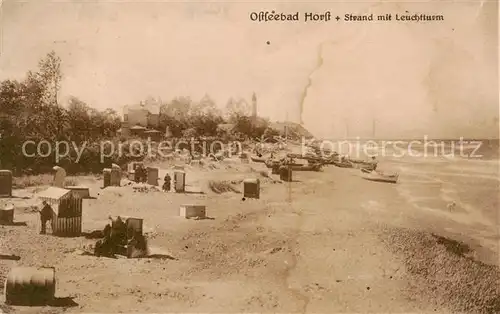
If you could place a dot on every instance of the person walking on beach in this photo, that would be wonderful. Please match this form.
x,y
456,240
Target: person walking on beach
x,y
166,183
45,216
374,163
142,175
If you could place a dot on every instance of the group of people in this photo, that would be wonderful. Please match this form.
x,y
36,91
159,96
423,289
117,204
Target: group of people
x,y
141,174
115,235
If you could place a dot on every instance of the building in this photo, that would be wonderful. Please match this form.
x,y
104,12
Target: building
x,y
137,130
141,132
154,135
144,114
125,129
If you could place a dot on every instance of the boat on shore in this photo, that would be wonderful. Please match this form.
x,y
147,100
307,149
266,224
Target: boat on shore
x,y
309,167
258,159
343,164
313,158
360,164
271,163
368,167
373,175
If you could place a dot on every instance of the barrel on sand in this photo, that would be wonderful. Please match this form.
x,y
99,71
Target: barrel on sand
x,y
30,286
251,188
5,183
7,215
285,173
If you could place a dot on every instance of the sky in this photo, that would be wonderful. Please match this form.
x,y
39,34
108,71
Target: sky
x,y
438,79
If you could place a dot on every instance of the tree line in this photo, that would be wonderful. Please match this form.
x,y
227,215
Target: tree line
x,y
30,110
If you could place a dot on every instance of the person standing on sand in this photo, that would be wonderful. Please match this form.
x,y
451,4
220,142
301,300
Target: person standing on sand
x,y
45,215
166,183
104,247
374,163
118,231
144,175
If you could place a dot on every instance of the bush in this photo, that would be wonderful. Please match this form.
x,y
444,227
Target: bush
x,y
220,187
38,180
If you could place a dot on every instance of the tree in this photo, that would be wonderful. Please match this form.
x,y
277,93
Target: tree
x,y
205,117
51,76
174,115
29,110
206,106
189,133
178,108
236,108
270,133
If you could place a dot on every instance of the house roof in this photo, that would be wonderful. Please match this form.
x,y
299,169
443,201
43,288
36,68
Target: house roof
x,y
53,193
137,127
226,126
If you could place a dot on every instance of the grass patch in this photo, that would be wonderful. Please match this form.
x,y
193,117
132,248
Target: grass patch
x,y
220,187
39,180
264,173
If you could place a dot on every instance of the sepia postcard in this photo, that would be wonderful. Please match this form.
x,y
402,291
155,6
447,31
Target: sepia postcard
x,y
249,156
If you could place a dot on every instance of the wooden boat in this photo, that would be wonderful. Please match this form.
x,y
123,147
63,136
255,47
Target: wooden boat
x,y
270,163
357,161
369,167
366,170
343,164
310,167
258,159
379,176
330,160
360,164
311,158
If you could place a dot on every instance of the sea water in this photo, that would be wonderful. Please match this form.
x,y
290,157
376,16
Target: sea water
x,y
459,194
443,172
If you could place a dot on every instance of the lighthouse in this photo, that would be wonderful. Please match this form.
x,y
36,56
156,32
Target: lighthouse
x,y
254,107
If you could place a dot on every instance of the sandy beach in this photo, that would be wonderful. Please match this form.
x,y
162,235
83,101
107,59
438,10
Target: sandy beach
x,y
328,242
